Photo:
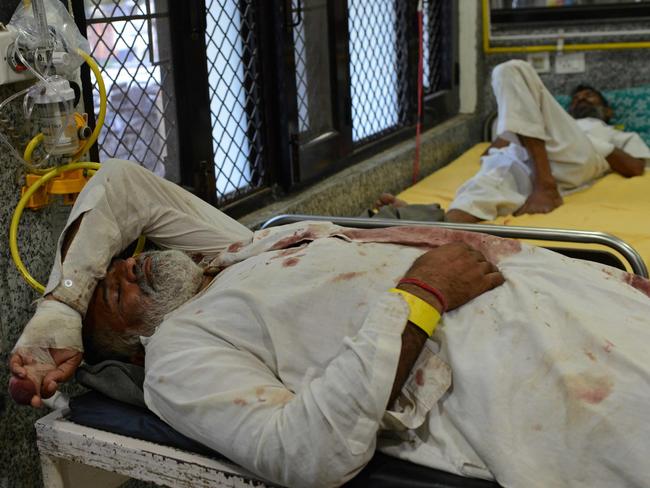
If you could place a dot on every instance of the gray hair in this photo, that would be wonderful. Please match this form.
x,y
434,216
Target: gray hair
x,y
174,279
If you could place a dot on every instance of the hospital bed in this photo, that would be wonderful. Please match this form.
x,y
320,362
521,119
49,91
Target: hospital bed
x,y
100,442
613,204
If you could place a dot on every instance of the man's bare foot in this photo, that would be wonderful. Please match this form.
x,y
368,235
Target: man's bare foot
x,y
460,217
389,199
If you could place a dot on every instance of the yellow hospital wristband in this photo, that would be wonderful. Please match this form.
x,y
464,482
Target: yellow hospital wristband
x,y
425,316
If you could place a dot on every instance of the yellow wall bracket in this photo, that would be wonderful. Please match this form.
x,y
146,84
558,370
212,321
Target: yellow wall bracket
x,y
69,185
489,49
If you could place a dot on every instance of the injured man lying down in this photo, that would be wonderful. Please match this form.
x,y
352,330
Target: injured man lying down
x,y
542,151
297,351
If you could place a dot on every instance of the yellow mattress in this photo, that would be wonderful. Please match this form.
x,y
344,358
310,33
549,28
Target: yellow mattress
x,y
613,204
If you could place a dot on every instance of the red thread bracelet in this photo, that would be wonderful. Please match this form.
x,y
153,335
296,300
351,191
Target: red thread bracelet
x,y
434,291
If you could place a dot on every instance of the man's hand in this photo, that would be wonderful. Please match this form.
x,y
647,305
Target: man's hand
x,y
459,271
32,380
38,368
543,199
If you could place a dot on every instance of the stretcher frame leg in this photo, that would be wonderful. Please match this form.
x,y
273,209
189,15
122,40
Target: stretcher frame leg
x,y
73,455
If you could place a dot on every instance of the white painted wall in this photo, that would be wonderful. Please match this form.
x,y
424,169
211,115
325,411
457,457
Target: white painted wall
x,y
468,11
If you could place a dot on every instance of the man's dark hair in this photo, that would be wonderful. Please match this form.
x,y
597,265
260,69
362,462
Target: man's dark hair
x,y
101,344
584,86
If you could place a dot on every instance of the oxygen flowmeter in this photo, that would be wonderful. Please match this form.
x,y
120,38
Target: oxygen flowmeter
x,y
51,107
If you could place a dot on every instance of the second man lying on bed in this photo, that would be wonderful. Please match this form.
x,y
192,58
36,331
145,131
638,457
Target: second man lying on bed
x,y
541,151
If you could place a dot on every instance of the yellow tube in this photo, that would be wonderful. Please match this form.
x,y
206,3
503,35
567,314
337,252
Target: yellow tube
x,y
102,105
488,49
140,245
29,150
27,155
15,220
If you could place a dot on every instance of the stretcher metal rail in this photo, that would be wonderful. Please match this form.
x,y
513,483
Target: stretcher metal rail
x,y
633,258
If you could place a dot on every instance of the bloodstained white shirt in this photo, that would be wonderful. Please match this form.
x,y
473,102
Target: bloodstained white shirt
x,y
286,362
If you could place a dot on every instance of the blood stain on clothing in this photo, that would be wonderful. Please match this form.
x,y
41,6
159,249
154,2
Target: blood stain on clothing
x,y
638,282
494,248
589,388
608,346
419,377
537,427
288,252
292,240
235,246
590,355
273,396
240,401
287,263
198,312
347,276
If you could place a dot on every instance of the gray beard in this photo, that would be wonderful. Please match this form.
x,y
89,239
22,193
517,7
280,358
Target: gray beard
x,y
175,279
583,111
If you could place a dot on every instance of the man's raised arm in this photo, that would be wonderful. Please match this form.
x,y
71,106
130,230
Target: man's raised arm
x,y
121,202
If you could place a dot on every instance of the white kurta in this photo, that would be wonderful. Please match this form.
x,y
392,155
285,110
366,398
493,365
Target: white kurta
x,y
576,148
286,361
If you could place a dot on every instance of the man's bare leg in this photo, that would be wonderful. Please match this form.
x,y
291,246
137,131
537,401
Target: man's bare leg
x,y
545,197
458,216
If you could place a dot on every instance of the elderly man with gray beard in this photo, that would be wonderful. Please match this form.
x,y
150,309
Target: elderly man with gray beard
x,y
297,351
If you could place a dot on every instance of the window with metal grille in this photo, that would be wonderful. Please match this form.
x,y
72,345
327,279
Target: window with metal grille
x,y
378,66
437,55
235,97
130,41
383,50
355,72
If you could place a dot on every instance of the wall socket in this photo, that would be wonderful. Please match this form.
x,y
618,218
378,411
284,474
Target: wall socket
x,y
569,63
7,74
540,61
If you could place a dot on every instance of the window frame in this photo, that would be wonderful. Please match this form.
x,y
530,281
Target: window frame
x,y
288,167
571,13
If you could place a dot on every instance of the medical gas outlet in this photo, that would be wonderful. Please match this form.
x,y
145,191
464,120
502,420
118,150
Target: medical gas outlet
x,y
10,70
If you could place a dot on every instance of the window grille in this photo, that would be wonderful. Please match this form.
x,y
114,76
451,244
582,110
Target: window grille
x,y
235,97
378,67
438,51
300,53
129,40
312,64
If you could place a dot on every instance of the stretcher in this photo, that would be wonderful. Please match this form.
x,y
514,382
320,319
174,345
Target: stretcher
x,y
96,441
612,204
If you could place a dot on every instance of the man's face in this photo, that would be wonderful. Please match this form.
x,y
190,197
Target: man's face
x,y
136,293
587,103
